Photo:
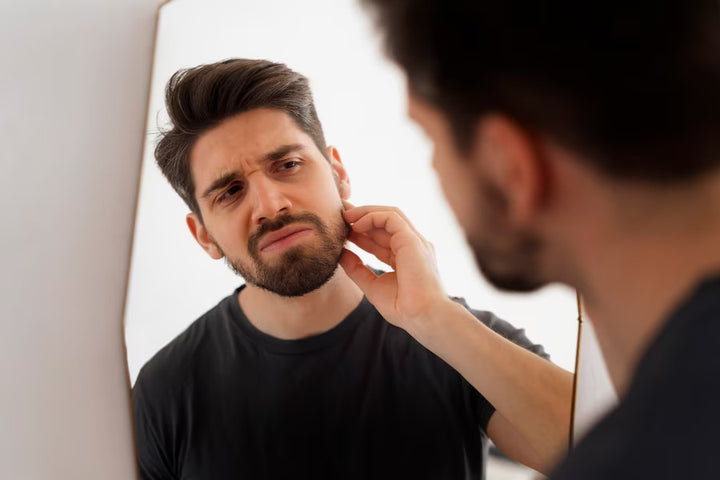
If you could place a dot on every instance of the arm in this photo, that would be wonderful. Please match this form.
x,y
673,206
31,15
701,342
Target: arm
x,y
532,396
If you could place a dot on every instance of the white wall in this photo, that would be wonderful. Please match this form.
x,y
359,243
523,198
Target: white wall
x,y
72,108
360,97
595,392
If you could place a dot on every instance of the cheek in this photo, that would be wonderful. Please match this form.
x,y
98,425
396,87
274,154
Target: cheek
x,y
457,184
232,231
325,195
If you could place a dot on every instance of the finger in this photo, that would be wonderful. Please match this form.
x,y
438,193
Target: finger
x,y
387,221
357,271
377,235
356,213
399,234
383,254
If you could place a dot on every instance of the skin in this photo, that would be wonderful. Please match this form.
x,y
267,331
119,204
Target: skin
x,y
532,419
302,180
531,395
633,249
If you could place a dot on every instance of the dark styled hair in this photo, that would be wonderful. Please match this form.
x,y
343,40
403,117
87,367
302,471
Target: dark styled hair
x,y
633,86
200,98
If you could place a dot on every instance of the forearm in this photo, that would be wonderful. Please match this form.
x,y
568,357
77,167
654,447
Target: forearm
x,y
530,392
532,395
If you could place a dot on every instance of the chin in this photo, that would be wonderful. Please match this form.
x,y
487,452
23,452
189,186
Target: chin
x,y
512,283
517,276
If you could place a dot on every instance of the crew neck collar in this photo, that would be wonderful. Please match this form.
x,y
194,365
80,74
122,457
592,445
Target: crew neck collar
x,y
302,345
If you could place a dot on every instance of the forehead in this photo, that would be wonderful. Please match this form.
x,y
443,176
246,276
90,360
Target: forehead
x,y
241,141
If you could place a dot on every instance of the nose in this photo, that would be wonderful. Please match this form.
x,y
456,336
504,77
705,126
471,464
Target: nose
x,y
268,200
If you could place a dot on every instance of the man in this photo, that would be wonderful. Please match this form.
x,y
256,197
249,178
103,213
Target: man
x,y
576,143
296,375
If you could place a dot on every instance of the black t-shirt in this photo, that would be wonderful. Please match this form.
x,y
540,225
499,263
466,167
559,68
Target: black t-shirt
x,y
363,400
666,426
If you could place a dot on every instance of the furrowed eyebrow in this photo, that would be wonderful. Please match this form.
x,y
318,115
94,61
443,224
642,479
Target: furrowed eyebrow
x,y
220,183
281,151
273,156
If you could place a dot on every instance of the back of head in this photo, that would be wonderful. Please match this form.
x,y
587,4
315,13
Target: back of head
x,y
200,98
632,86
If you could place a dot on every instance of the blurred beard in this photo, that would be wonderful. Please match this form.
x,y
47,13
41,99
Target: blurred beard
x,y
510,261
300,269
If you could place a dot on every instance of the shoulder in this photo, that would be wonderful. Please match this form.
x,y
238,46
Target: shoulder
x,y
666,425
170,366
397,338
660,439
504,328
166,389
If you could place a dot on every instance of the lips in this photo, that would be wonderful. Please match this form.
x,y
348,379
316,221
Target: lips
x,y
278,235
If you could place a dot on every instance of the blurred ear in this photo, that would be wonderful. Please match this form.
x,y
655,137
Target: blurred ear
x,y
508,157
202,236
341,177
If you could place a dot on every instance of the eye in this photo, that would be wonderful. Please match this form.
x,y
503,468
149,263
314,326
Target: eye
x,y
231,192
288,165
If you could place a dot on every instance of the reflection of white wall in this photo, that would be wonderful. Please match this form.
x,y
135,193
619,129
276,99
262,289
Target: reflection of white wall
x,y
360,98
595,392
72,102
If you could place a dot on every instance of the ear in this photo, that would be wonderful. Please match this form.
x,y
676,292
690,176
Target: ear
x,y
197,228
509,157
341,176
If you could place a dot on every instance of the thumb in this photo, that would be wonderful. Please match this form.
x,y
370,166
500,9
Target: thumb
x,y
357,271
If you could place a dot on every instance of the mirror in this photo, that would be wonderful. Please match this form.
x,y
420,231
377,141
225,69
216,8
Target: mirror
x,y
595,394
360,99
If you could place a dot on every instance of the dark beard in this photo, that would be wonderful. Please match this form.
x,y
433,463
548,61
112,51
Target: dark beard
x,y
300,269
510,261
519,281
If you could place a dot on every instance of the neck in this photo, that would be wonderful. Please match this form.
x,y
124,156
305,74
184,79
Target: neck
x,y
292,318
641,258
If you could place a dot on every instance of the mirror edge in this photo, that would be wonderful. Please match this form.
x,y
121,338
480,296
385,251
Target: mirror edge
x,y
134,222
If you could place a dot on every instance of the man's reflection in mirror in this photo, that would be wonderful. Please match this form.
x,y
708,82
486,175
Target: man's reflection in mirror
x,y
295,374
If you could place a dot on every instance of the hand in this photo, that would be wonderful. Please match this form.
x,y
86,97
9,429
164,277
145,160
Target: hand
x,y
409,294
532,396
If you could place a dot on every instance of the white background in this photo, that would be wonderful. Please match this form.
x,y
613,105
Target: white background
x,y
360,98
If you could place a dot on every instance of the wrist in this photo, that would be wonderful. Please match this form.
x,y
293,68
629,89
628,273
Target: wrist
x,y
428,327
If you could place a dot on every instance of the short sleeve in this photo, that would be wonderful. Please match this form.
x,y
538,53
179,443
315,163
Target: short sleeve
x,y
151,446
505,329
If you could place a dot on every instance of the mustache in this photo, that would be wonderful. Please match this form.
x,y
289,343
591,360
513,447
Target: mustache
x,y
282,221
